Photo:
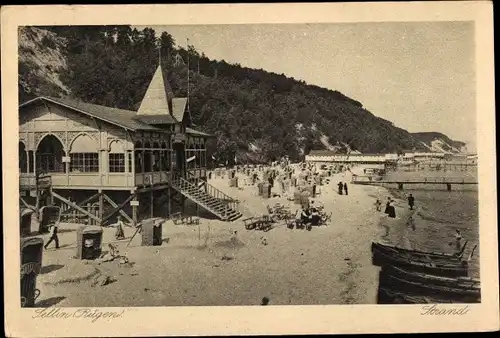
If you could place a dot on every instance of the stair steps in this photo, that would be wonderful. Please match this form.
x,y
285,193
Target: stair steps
x,y
195,191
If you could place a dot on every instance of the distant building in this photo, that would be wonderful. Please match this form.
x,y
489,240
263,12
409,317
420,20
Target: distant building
x,y
329,156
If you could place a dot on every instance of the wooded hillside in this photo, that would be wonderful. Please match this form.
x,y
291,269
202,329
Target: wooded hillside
x,y
256,115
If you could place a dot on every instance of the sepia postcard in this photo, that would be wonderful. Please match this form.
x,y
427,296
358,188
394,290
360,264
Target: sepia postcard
x,y
249,169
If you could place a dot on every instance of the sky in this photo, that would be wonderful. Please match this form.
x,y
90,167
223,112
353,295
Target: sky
x,y
419,75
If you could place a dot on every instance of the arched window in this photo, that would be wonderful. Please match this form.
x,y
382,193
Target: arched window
x,y
23,158
84,154
139,158
147,157
49,155
116,157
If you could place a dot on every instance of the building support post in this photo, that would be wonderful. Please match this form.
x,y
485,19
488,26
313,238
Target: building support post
x,y
134,210
151,202
101,204
169,207
51,197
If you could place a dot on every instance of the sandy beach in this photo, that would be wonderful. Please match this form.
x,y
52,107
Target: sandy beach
x,y
220,263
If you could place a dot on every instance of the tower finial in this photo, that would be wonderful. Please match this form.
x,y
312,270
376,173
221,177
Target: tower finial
x,y
159,52
188,56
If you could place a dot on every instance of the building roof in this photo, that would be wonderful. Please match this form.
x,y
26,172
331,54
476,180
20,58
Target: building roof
x,y
155,119
333,153
158,97
322,153
179,108
197,133
120,117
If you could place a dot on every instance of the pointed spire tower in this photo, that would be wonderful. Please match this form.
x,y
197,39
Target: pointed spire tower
x,y
159,95
159,106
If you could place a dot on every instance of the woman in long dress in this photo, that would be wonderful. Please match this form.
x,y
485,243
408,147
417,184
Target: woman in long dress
x,y
392,210
387,205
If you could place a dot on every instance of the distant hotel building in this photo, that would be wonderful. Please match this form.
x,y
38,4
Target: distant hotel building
x,y
329,156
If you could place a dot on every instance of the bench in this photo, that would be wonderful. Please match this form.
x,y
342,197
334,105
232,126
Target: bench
x,y
259,223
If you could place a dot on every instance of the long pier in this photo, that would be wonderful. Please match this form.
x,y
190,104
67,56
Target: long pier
x,y
448,181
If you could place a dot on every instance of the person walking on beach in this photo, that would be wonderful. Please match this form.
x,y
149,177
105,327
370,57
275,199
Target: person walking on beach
x,y
119,234
392,210
345,189
378,205
340,185
53,236
458,239
387,205
411,201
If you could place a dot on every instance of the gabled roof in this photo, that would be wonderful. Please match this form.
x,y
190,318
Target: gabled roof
x,y
158,97
127,119
155,119
119,117
179,108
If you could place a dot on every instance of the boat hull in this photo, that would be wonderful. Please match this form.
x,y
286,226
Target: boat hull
x,y
453,289
443,266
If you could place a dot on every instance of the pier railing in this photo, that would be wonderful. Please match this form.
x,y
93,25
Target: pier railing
x,y
408,180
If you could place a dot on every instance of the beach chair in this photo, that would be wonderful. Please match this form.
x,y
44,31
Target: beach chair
x,y
249,223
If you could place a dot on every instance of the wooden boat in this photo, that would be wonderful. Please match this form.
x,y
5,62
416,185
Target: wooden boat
x,y
387,295
459,289
440,266
417,253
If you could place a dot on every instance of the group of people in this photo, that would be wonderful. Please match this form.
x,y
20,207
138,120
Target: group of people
x,y
390,210
308,215
342,186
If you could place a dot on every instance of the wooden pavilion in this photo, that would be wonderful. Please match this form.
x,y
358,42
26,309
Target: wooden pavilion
x,y
139,164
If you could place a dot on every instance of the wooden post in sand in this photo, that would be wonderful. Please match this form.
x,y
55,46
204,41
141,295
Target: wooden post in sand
x,y
134,203
101,205
169,192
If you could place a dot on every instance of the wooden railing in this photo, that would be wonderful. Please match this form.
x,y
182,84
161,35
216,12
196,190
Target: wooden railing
x,y
407,180
210,190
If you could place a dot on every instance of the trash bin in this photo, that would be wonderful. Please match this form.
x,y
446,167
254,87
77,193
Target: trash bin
x,y
152,231
89,242
233,182
267,190
31,265
49,215
260,186
25,223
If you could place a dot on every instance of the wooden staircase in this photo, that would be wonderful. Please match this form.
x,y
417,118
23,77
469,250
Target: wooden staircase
x,y
207,197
